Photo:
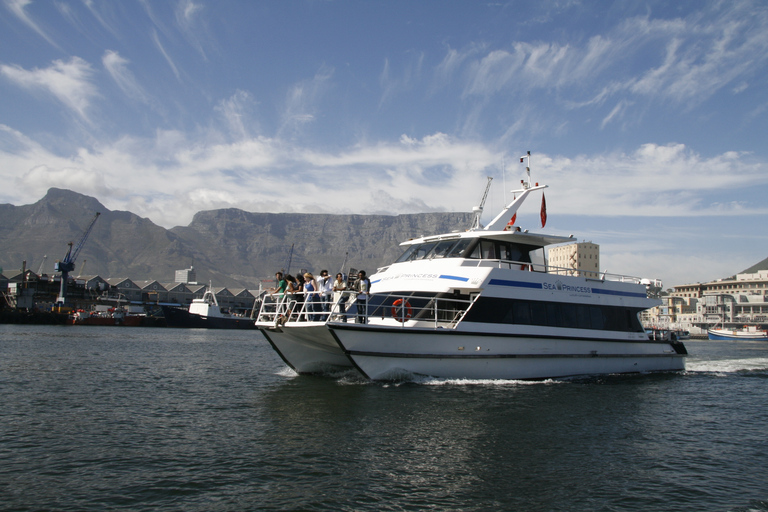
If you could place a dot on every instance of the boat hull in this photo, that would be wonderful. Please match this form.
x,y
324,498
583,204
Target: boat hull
x,y
308,347
181,318
386,354
127,321
724,335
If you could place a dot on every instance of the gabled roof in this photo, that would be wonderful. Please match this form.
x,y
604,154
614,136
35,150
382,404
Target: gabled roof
x,y
177,287
121,282
151,285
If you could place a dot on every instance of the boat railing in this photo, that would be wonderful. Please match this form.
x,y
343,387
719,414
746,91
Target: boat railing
x,y
305,307
552,269
394,309
409,310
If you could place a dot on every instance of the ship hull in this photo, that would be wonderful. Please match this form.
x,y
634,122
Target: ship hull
x,y
308,348
181,318
385,354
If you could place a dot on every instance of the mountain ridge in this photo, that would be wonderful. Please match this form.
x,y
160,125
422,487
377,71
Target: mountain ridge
x,y
229,247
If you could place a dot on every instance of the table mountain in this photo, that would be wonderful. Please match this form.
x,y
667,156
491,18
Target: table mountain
x,y
229,247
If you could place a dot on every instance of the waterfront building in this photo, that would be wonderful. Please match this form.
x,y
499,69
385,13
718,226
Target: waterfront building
x,y
126,288
178,293
731,302
187,275
577,259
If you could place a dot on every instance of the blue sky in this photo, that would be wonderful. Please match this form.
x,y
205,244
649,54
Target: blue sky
x,y
648,120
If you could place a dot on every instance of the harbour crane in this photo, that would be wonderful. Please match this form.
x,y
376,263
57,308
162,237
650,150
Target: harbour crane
x,y
40,270
287,269
478,210
67,265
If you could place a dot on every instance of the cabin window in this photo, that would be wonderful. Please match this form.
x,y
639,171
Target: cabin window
x,y
460,249
488,250
554,314
499,250
407,254
442,249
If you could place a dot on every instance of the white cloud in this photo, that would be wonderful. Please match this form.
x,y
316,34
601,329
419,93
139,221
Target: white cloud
x,y
117,67
165,54
301,102
18,8
189,19
706,52
69,82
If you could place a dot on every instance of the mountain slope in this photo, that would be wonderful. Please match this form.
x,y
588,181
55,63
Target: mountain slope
x,y
229,247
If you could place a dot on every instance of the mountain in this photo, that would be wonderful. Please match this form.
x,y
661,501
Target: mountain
x,y
228,247
763,265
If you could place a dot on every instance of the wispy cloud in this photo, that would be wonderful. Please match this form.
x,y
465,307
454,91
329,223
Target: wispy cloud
x,y
189,16
165,54
700,55
69,82
301,102
117,67
18,8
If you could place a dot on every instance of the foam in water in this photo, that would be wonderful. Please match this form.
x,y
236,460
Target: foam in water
x,y
727,365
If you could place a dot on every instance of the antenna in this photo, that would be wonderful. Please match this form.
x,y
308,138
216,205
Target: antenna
x,y
526,188
527,168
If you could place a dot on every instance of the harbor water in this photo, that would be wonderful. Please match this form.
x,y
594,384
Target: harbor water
x,y
110,418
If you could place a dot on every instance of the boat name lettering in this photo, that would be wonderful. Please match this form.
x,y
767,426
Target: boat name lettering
x,y
412,276
566,288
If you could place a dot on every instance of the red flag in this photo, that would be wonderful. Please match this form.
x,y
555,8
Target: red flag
x,y
512,220
543,210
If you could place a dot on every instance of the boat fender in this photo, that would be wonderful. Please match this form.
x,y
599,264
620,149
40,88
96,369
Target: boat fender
x,y
401,311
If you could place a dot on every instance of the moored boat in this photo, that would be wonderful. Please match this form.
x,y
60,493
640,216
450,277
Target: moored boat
x,y
205,313
480,304
107,316
746,333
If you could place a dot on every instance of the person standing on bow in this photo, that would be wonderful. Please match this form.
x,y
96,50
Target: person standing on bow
x,y
312,296
325,283
340,295
363,287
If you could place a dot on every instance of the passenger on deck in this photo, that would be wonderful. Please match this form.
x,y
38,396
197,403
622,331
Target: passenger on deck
x,y
326,289
339,295
363,288
311,290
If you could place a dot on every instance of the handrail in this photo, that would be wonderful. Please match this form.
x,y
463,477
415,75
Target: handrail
x,y
439,312
551,269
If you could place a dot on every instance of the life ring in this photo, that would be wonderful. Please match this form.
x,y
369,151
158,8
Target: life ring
x,y
401,310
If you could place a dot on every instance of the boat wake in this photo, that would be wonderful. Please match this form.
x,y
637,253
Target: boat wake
x,y
757,365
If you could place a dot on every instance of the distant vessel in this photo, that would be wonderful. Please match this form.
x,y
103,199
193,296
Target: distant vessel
x,y
205,313
746,333
479,304
103,315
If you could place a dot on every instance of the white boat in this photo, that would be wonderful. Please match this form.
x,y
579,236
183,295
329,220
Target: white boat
x,y
746,333
205,313
480,304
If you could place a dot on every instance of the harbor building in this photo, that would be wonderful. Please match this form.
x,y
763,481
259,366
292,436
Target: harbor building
x,y
577,259
187,275
730,303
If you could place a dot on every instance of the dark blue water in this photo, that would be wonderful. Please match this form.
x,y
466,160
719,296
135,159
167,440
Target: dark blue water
x,y
100,418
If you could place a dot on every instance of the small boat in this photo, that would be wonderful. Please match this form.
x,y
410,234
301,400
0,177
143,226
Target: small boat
x,y
205,313
746,333
479,304
104,315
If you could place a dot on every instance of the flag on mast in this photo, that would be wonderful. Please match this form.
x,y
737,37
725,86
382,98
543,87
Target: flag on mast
x,y
543,210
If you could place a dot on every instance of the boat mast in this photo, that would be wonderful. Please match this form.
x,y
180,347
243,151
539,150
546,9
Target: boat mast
x,y
500,221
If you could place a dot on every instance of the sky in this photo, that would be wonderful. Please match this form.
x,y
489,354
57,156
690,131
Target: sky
x,y
647,120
